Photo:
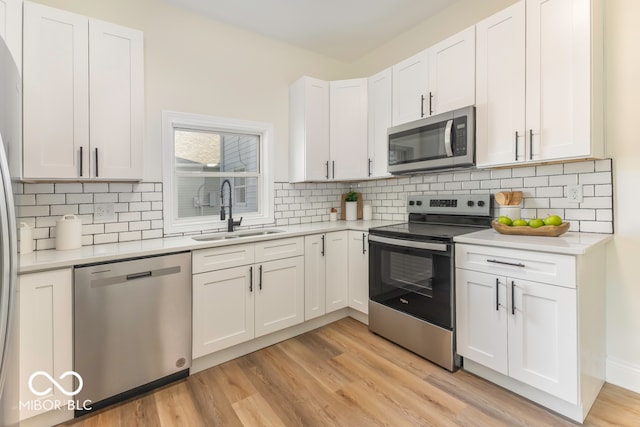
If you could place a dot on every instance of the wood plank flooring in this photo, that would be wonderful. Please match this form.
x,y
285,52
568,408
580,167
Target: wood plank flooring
x,y
342,375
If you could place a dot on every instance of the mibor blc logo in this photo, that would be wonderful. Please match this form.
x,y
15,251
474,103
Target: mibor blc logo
x,y
51,404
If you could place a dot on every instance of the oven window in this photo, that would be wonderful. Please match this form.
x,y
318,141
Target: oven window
x,y
417,282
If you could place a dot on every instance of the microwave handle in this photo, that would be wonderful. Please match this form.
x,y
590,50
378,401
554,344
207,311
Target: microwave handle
x,y
447,139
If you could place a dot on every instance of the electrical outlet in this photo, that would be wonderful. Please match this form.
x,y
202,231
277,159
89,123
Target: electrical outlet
x,y
574,193
103,212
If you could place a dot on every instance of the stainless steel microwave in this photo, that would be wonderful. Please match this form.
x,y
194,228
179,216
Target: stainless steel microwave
x,y
442,141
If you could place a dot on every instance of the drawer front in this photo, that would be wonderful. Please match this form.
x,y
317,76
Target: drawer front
x,y
224,257
528,265
279,248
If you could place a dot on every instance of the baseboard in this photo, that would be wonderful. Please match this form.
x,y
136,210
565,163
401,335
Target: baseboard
x,y
623,374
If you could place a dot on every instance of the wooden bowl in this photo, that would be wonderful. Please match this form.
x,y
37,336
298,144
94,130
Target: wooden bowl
x,y
545,230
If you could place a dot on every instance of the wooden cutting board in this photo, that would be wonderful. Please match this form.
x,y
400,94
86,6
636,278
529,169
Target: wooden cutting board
x,y
343,207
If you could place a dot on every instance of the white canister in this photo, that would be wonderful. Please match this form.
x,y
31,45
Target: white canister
x,y
367,212
512,212
26,238
68,233
352,211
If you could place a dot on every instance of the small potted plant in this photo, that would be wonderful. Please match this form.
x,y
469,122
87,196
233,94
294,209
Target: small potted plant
x,y
351,206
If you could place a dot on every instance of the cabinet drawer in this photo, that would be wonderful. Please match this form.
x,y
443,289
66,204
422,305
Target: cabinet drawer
x,y
529,265
224,257
280,248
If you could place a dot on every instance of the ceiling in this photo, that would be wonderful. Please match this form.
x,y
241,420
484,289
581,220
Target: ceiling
x,y
341,29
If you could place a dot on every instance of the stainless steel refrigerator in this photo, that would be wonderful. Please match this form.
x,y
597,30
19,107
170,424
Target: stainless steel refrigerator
x,y
10,139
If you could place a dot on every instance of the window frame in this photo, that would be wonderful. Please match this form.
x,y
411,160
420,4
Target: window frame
x,y
172,120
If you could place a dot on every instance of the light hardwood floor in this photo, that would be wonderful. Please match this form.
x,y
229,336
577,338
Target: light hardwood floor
x,y
342,375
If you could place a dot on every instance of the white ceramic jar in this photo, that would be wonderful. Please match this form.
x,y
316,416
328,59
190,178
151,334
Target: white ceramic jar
x,y
68,233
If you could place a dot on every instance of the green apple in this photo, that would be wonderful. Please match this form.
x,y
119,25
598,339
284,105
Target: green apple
x,y
520,223
553,220
536,222
505,220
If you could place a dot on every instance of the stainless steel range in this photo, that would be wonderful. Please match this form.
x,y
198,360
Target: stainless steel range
x,y
412,273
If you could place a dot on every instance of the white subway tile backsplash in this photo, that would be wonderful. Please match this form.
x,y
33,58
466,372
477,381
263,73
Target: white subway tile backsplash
x,y
129,197
540,181
95,187
68,188
579,167
570,179
50,199
116,227
38,188
603,165
523,172
596,227
130,236
100,239
549,170
120,187
595,178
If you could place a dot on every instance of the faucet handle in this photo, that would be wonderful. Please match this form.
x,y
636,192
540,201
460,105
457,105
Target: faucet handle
x,y
238,222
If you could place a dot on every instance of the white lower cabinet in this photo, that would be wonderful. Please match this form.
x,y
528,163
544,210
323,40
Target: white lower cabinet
x,y
326,273
259,290
359,271
46,338
530,333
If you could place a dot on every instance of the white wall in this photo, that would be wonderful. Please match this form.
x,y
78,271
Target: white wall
x,y
196,65
622,59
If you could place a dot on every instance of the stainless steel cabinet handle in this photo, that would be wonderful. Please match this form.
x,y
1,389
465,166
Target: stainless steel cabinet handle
x,y
322,251
530,144
497,294
516,146
430,103
81,161
97,174
513,298
251,279
495,261
260,282
364,249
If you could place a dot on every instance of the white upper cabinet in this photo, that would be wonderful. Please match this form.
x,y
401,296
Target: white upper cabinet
x,y
436,80
308,130
380,110
500,88
410,87
11,28
348,129
116,104
539,83
451,72
83,97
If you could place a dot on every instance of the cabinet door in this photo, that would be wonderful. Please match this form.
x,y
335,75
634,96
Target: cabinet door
x,y
500,87
481,318
380,90
359,271
56,93
542,327
280,298
410,86
314,276
452,72
46,336
117,101
308,130
337,291
558,78
348,129
11,28
223,313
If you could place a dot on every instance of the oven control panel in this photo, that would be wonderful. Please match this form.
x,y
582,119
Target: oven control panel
x,y
453,204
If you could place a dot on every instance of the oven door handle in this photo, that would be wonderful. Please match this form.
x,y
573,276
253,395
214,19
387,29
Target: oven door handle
x,y
439,247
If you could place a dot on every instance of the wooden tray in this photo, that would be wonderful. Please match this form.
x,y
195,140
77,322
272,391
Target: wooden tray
x,y
545,230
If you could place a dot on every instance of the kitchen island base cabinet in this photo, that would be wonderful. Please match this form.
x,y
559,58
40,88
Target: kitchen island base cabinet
x,y
46,337
542,338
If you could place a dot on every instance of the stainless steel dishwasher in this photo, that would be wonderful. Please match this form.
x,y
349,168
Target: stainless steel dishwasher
x,y
132,326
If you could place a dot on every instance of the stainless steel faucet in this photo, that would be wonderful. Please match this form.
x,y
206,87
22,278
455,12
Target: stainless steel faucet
x,y
230,222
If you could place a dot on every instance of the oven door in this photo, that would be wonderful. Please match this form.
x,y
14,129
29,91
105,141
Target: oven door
x,y
413,277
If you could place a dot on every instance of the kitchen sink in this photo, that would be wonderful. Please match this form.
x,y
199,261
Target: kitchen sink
x,y
235,235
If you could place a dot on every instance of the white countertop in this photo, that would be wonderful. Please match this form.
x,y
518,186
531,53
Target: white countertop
x,y
569,243
52,259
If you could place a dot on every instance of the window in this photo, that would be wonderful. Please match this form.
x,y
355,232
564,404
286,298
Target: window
x,y
199,154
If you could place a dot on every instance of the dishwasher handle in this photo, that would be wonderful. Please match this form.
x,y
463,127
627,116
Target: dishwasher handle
x,y
139,275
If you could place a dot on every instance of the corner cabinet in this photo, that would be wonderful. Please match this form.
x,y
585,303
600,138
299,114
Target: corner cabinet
x,y
436,80
518,323
539,83
83,97
46,337
241,292
327,130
